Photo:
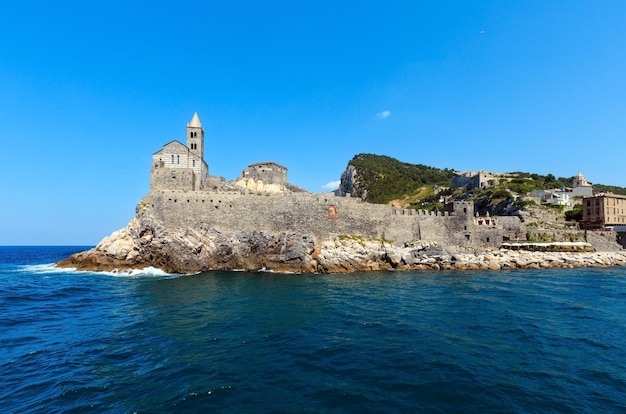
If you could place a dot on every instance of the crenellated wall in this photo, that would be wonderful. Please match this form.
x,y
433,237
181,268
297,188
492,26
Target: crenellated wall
x,y
324,215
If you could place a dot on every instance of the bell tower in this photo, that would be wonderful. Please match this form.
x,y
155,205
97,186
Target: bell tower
x,y
195,136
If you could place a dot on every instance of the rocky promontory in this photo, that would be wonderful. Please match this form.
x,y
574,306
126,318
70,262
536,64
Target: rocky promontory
x,y
146,242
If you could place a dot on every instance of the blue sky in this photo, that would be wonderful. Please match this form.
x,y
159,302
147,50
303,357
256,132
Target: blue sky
x,y
89,90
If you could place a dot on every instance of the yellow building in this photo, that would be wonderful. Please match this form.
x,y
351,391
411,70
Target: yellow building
x,y
603,210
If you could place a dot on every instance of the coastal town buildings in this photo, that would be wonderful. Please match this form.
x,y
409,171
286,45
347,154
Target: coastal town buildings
x,y
566,196
603,210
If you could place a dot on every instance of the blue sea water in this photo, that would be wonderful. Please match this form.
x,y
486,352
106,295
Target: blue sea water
x,y
458,341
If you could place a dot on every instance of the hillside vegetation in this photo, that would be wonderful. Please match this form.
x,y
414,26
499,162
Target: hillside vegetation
x,y
387,179
382,179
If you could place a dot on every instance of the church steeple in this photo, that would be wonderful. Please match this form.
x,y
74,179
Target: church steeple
x,y
195,136
195,121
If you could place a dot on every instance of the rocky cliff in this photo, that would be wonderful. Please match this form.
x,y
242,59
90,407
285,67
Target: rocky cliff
x,y
350,183
147,242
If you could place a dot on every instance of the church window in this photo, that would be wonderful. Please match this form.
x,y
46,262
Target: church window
x,y
178,159
193,162
191,135
172,158
195,134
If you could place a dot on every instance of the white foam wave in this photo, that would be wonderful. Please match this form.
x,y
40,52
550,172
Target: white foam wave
x,y
145,272
51,268
44,268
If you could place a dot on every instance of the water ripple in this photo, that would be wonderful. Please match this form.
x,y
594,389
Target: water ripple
x,y
510,341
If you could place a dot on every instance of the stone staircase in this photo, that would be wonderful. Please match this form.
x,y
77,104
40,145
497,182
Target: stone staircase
x,y
604,241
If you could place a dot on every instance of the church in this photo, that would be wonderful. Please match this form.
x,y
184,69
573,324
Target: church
x,y
181,167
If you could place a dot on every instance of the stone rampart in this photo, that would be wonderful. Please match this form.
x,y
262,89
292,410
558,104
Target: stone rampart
x,y
172,178
323,215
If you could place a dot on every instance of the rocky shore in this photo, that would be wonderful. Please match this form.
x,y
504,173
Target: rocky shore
x,y
339,256
146,242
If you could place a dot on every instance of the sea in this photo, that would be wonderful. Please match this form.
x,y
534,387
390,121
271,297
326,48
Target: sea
x,y
544,341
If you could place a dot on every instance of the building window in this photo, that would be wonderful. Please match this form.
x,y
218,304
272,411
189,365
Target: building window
x,y
172,158
193,163
178,159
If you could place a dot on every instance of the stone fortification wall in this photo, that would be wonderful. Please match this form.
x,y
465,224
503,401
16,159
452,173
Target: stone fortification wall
x,y
308,213
172,178
214,182
323,215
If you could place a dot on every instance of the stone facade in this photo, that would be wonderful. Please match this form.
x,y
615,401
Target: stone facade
x,y
581,187
267,172
477,179
181,167
603,210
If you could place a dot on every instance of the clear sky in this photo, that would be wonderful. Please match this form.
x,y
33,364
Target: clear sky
x,y
90,89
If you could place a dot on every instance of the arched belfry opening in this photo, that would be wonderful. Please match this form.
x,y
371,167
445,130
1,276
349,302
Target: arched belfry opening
x,y
195,132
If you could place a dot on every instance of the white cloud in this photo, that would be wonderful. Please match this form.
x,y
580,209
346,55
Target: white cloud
x,y
384,114
333,185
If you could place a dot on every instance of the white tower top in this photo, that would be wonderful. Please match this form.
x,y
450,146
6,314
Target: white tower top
x,y
580,181
195,121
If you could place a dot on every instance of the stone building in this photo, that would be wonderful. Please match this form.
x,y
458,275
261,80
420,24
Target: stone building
x,y
181,167
469,180
603,210
581,187
268,172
